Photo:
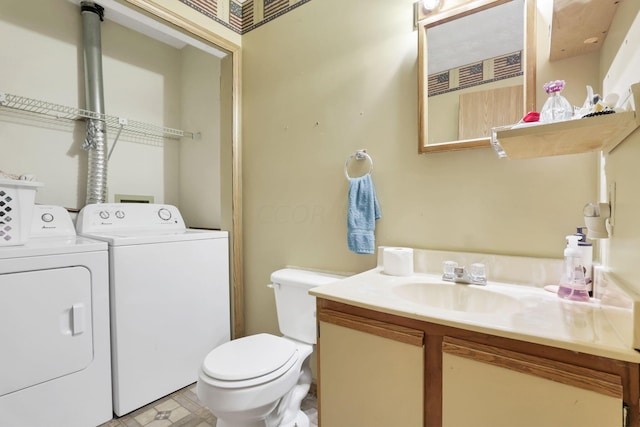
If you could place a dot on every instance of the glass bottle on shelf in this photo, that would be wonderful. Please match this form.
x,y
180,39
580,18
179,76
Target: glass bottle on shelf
x,y
556,108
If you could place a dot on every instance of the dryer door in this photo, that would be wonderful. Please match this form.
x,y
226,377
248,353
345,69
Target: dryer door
x,y
45,325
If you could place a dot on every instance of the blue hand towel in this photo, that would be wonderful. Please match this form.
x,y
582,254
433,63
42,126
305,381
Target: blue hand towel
x,y
362,214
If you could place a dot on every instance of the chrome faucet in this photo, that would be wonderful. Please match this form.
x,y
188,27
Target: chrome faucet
x,y
460,275
477,276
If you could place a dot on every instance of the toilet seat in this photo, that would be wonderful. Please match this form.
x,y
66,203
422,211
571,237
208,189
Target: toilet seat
x,y
249,361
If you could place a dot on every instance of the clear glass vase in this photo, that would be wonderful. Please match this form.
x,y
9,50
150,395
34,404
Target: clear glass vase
x,y
556,109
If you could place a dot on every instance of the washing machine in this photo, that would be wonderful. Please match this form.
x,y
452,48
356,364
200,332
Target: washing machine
x,y
55,366
169,288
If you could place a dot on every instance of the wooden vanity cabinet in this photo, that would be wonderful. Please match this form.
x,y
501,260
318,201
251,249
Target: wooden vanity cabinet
x,y
370,372
501,388
376,368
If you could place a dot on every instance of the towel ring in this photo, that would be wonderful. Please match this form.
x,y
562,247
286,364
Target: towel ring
x,y
358,155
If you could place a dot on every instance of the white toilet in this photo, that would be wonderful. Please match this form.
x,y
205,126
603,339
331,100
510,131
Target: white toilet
x,y
260,380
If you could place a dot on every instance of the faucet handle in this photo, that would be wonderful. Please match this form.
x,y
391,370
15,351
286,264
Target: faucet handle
x,y
478,274
448,270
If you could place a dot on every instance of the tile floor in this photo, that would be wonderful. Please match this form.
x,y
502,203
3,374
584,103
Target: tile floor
x,y
182,409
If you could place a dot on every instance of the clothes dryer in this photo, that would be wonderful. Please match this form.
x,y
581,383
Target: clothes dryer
x,y
54,327
169,289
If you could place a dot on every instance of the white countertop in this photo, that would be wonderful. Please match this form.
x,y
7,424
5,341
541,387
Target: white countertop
x,y
529,314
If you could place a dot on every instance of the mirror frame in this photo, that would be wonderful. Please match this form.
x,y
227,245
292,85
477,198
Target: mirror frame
x,y
163,13
442,16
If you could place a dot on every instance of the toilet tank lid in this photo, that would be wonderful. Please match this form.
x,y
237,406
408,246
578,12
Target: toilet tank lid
x,y
303,278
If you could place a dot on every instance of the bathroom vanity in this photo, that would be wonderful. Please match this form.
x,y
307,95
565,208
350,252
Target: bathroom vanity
x,y
417,351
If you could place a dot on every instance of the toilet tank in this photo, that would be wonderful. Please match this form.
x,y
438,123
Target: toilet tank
x,y
296,308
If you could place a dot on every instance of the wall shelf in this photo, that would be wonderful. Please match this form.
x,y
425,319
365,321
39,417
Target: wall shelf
x,y
132,127
569,137
579,26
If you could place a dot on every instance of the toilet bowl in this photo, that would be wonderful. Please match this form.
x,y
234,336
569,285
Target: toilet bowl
x,y
254,401
260,380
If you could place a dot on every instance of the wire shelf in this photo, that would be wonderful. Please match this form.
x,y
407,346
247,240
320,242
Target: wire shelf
x,y
57,111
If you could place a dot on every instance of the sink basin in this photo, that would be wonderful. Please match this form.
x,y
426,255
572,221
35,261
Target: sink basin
x,y
458,297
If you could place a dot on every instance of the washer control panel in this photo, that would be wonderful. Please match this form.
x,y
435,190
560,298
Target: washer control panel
x,y
104,217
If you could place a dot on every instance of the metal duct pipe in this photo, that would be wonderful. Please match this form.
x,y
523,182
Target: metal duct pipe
x,y
95,141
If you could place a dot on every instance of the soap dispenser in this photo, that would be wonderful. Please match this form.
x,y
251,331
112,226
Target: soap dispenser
x,y
573,285
586,253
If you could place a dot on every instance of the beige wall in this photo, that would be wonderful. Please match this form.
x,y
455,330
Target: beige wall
x,y
199,180
622,168
332,77
317,85
43,64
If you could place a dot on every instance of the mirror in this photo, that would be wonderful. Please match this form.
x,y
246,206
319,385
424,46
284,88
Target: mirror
x,y
476,68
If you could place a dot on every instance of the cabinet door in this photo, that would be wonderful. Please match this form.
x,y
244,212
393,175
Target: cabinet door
x,y
370,373
487,386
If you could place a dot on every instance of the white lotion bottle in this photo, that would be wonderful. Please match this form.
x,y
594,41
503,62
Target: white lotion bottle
x,y
572,284
586,253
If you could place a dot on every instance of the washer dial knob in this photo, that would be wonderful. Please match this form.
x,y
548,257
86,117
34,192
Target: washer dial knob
x,y
164,214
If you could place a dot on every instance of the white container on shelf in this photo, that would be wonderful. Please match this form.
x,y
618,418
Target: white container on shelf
x,y
17,199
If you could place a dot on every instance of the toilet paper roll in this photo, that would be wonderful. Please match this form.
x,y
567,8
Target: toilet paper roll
x,y
397,261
